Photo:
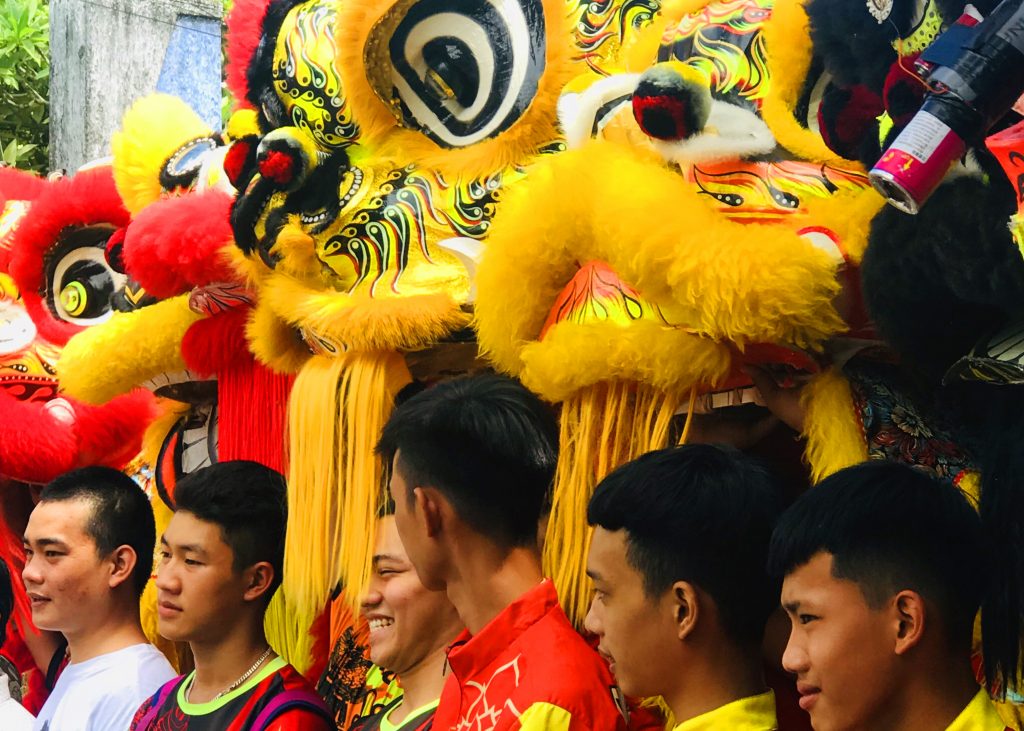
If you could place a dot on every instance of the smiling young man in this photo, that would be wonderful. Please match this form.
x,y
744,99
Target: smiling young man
x,y
884,576
472,465
682,593
221,559
88,556
411,628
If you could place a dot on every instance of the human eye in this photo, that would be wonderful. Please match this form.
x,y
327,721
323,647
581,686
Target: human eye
x,y
192,562
806,618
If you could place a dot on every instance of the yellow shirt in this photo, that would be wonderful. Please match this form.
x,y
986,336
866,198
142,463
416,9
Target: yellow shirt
x,y
756,713
980,715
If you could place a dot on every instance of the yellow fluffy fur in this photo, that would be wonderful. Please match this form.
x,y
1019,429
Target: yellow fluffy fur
x,y
361,322
719,278
667,359
831,427
141,344
787,38
381,131
154,127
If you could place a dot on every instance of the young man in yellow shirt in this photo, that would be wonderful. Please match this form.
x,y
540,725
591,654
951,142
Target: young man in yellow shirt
x,y
682,594
884,575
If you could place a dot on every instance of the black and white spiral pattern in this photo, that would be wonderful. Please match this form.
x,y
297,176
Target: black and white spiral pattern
x,y
499,44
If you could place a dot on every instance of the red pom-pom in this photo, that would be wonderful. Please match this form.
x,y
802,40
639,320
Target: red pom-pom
x,y
278,166
662,116
234,160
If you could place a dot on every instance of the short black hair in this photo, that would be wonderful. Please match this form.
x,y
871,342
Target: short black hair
x,y
700,513
121,514
249,502
488,444
891,527
6,600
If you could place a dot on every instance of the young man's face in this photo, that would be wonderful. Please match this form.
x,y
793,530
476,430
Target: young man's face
x,y
66,579
637,634
199,592
408,622
421,551
840,649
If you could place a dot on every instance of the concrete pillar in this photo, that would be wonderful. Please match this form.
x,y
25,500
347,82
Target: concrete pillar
x,y
104,54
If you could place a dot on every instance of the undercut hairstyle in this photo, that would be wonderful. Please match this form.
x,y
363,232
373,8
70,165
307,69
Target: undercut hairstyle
x,y
487,444
6,600
703,514
249,503
121,514
890,527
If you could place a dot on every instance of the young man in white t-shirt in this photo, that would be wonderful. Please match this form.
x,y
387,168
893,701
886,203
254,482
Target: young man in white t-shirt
x,y
88,554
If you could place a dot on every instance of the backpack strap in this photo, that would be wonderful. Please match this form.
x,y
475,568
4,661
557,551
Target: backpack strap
x,y
288,700
157,701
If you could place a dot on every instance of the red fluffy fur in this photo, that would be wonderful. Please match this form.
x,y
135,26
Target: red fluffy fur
x,y
175,245
245,26
35,445
111,434
86,199
19,185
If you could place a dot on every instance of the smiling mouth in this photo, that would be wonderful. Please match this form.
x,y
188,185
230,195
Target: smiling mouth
x,y
380,623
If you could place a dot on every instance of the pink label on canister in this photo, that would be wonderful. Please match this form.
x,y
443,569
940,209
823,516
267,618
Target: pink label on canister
x,y
921,155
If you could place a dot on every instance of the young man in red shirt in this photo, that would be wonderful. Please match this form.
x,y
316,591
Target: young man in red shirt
x,y
473,461
884,575
221,559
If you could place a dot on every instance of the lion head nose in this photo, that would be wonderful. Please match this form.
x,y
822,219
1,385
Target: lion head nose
x,y
672,101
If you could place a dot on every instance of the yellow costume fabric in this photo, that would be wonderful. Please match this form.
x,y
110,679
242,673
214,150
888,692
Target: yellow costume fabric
x,y
980,715
756,713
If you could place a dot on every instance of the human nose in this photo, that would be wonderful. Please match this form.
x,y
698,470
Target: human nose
x,y
372,598
592,622
794,657
167,577
31,573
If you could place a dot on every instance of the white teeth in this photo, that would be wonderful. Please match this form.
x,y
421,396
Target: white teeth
x,y
169,378
380,623
735,397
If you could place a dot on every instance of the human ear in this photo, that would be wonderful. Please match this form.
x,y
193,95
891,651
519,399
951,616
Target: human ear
x,y
909,611
685,607
122,564
431,506
258,579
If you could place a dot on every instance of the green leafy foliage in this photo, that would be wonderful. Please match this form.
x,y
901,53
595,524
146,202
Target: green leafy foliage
x,y
24,83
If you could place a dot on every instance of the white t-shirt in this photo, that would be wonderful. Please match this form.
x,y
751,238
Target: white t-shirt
x,y
103,694
13,716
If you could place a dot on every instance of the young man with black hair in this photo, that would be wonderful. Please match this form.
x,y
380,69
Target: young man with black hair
x,y
473,460
682,592
88,555
13,716
220,564
884,576
411,628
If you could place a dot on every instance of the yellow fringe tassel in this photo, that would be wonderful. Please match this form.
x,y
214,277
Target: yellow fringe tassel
x,y
337,409
602,427
834,436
